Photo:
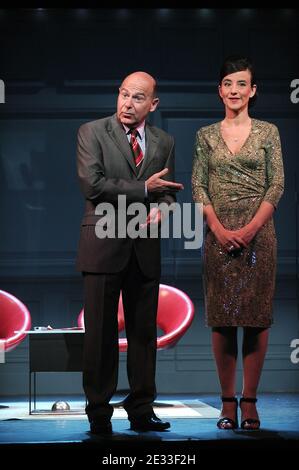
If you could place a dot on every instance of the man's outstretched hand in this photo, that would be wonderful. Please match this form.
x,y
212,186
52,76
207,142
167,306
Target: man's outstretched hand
x,y
156,183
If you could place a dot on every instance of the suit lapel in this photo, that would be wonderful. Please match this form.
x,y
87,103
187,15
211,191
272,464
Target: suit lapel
x,y
118,135
151,147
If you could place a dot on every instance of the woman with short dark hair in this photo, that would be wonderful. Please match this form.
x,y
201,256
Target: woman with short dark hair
x,y
238,177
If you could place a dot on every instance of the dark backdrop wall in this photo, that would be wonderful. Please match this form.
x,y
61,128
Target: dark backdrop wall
x,y
62,68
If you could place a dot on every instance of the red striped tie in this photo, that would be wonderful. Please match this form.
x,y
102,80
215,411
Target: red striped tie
x,y
137,152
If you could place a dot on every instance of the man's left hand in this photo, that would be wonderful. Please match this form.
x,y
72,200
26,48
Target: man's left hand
x,y
154,217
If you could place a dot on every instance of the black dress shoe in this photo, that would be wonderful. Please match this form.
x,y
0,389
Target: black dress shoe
x,y
148,423
103,428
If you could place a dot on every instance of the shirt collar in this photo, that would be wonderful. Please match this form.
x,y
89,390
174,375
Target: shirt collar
x,y
140,129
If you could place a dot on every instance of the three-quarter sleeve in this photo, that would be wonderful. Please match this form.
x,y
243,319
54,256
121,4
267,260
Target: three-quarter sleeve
x,y
274,167
200,171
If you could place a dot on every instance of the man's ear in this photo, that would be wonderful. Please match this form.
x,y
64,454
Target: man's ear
x,y
154,104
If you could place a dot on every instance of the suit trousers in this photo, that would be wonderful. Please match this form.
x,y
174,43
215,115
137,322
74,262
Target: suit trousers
x,y
101,353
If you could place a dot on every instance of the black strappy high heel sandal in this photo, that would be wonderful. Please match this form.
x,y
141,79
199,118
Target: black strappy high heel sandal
x,y
233,423
249,424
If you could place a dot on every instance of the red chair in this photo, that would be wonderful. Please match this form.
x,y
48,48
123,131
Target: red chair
x,y
15,320
174,316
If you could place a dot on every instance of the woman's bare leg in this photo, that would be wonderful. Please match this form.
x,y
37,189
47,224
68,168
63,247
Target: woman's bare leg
x,y
225,349
255,343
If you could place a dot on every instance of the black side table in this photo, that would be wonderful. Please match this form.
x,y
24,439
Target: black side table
x,y
53,351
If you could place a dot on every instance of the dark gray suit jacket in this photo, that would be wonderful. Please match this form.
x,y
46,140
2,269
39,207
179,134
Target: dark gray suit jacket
x,y
106,169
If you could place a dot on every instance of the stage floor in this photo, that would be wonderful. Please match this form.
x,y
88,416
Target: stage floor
x,y
193,431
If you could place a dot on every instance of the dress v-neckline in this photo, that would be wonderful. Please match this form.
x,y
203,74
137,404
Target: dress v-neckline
x,y
244,143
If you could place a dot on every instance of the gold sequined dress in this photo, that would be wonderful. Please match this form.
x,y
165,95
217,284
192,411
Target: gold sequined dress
x,y
239,288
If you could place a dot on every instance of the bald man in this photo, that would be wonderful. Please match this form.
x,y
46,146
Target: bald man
x,y
122,155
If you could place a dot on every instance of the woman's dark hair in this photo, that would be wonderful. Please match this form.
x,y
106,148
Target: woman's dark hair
x,y
237,63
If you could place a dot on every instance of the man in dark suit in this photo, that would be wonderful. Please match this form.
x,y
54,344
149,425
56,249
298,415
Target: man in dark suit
x,y
122,155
